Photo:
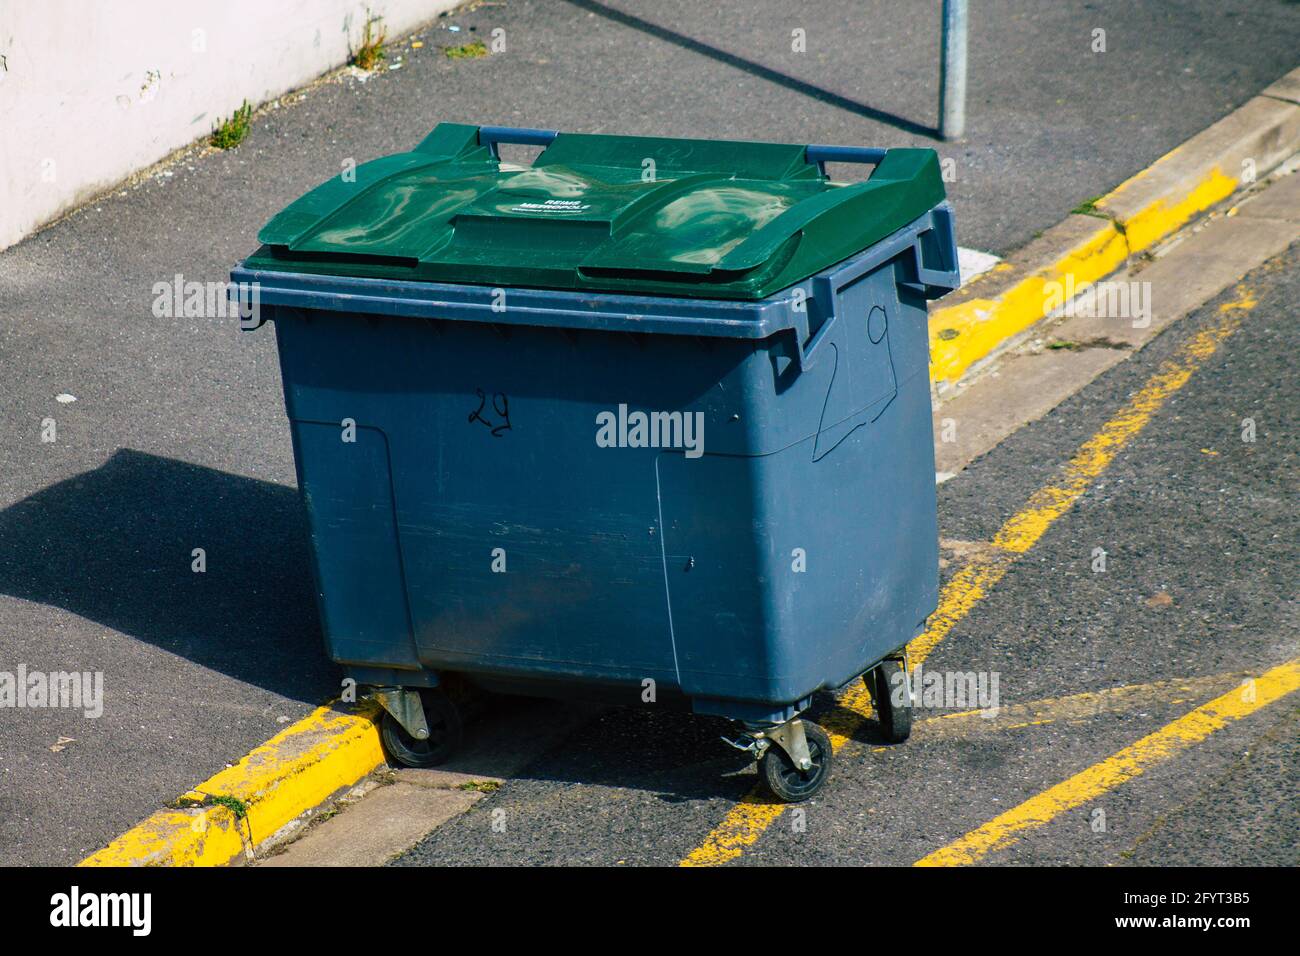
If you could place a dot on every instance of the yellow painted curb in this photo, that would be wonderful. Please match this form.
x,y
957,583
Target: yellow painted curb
x,y
202,836
1147,208
296,770
962,334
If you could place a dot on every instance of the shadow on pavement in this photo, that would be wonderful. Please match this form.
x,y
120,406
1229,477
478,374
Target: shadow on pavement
x,y
114,545
757,69
675,755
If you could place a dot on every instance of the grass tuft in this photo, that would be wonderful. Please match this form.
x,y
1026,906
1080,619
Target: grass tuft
x,y
371,53
236,806
1088,207
231,132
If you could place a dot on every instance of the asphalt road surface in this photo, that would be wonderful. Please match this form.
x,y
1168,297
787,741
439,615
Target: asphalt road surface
x,y
177,437
1200,531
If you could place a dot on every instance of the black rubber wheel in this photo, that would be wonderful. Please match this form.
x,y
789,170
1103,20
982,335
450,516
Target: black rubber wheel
x,y
887,682
443,719
786,781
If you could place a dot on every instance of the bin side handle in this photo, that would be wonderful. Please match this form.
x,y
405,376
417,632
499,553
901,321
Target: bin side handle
x,y
808,351
934,252
933,277
824,290
491,136
821,155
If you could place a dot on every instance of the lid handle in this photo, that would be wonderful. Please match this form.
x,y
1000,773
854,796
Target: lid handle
x,y
821,155
490,136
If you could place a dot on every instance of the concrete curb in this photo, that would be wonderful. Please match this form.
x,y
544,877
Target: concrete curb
x,y
993,311
236,810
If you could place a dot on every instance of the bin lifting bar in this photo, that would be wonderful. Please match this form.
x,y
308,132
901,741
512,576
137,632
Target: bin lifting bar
x,y
493,136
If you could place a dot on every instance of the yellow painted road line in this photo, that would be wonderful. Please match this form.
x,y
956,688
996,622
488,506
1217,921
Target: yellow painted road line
x,y
1132,761
1048,503
745,823
754,814
738,831
298,769
1073,707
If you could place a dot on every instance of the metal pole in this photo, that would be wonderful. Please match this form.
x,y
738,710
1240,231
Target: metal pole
x,y
952,67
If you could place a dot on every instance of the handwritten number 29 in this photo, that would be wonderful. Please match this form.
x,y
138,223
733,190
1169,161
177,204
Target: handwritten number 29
x,y
498,420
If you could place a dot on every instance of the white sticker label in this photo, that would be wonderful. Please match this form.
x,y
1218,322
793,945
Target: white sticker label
x,y
552,206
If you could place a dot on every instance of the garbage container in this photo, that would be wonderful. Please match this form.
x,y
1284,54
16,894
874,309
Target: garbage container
x,y
647,419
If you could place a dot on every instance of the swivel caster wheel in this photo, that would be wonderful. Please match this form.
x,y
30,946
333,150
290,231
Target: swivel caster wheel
x,y
792,784
443,720
887,683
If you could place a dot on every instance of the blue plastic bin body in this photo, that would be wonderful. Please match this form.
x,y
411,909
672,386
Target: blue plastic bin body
x,y
475,524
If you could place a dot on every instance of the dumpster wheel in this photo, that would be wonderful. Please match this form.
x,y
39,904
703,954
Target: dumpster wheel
x,y
444,724
895,719
788,782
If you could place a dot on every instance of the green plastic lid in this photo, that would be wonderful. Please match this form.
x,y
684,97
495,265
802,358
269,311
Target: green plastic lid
x,y
612,213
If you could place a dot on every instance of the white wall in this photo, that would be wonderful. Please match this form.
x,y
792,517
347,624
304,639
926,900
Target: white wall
x,y
93,90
